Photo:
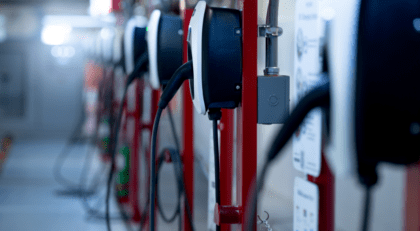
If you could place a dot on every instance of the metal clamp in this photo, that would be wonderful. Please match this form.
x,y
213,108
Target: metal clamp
x,y
267,31
271,71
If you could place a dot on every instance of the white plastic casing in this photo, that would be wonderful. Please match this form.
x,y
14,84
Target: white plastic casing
x,y
98,47
137,21
152,46
342,59
195,37
117,53
107,36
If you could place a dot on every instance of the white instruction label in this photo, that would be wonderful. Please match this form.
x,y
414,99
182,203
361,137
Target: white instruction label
x,y
306,207
307,139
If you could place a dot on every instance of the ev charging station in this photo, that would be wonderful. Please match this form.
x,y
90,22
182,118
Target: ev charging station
x,y
223,82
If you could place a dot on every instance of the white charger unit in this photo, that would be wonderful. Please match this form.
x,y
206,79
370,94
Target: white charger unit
x,y
342,55
118,48
164,43
134,41
374,63
98,48
215,47
107,35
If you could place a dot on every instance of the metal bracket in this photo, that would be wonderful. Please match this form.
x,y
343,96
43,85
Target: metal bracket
x,y
267,31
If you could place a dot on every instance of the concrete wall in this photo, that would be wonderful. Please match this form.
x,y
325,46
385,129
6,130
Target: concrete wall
x,y
52,92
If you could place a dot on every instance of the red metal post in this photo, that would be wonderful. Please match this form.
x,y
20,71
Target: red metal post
x,y
188,132
123,132
226,127
109,106
326,185
247,113
134,153
155,102
412,200
116,5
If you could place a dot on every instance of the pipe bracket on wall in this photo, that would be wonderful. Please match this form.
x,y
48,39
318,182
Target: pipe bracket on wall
x,y
267,31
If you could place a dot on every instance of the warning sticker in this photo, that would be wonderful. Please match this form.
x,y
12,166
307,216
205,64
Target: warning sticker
x,y
305,205
307,70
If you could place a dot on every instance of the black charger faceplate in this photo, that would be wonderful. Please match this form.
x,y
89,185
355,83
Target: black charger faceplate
x,y
387,111
169,50
121,62
139,42
221,58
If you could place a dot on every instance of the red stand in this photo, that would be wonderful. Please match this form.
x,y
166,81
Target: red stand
x,y
139,188
188,132
226,127
412,202
107,107
326,185
247,114
116,5
124,137
134,153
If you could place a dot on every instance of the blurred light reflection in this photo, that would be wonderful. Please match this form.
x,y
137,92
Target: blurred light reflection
x,y
55,34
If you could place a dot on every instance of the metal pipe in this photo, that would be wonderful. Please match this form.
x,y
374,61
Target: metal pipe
x,y
271,46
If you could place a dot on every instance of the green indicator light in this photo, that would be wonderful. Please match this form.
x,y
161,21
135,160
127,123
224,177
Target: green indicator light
x,y
147,28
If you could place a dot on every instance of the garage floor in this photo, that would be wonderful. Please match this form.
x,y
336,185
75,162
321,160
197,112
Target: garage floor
x,y
29,200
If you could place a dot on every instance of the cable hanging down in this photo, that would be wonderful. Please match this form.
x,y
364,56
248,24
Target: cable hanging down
x,y
181,74
73,189
139,70
366,211
215,115
318,97
178,174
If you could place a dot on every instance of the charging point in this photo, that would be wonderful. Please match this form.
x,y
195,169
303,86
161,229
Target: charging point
x,y
215,46
164,38
134,41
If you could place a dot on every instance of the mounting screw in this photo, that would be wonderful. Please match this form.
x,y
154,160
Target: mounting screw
x,y
238,31
238,87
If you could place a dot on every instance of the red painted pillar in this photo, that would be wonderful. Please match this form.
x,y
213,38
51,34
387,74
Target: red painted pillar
x,y
155,101
326,185
188,132
116,5
226,127
123,136
412,200
134,153
247,113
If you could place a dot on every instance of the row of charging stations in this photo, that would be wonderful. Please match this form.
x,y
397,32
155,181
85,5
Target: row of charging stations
x,y
354,70
164,35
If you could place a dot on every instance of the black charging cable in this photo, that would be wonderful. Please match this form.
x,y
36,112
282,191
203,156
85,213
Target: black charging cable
x,y
138,71
165,218
178,169
80,190
183,73
215,115
170,219
318,97
73,189
366,211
